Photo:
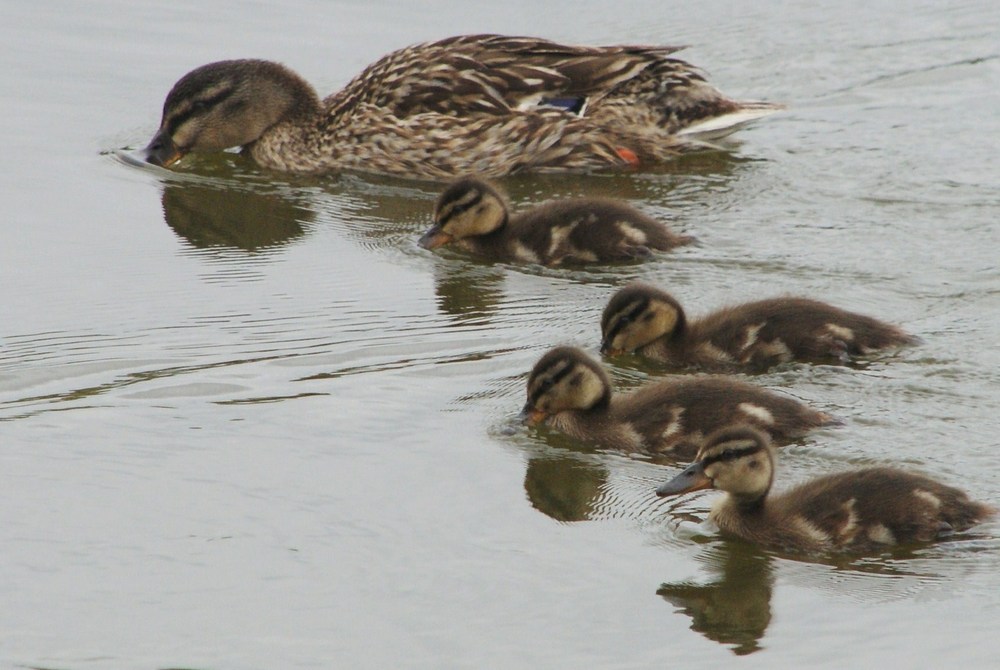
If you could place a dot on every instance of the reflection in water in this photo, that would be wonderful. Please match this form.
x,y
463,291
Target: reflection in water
x,y
468,292
570,481
248,219
734,609
566,489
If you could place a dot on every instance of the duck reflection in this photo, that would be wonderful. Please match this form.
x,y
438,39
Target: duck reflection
x,y
241,218
465,292
734,609
566,489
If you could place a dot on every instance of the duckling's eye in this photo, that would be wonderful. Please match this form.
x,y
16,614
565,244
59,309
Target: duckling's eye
x,y
648,316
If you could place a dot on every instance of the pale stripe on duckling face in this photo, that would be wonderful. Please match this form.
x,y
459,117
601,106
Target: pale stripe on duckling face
x,y
461,204
637,323
740,466
565,385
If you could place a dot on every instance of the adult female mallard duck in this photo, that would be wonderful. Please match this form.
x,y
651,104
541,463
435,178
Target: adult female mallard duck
x,y
855,511
571,392
474,215
488,104
755,335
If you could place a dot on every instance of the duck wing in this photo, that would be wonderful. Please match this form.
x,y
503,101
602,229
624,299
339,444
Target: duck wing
x,y
496,74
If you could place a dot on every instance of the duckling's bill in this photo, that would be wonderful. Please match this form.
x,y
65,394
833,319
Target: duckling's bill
x,y
692,478
609,350
530,416
162,151
434,238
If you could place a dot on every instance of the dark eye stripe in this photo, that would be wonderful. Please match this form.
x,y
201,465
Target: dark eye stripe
x,y
619,324
732,454
195,108
548,382
458,207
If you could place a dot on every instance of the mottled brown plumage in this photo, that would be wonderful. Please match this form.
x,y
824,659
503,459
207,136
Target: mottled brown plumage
x,y
571,392
755,335
854,511
473,215
489,104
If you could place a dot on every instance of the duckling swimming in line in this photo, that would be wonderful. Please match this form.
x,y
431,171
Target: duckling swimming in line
x,y
473,214
571,392
755,335
489,104
855,511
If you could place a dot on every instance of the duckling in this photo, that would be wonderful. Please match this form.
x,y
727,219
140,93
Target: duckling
x,y
571,392
854,511
474,215
490,104
755,335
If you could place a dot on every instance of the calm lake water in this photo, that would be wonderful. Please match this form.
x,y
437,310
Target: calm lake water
x,y
248,423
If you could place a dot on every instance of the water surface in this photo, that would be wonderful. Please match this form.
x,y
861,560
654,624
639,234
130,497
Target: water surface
x,y
247,422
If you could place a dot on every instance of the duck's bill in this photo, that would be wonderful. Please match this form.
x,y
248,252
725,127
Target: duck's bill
x,y
692,478
608,350
531,416
162,151
434,238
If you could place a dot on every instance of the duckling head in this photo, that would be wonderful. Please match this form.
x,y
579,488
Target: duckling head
x,y
562,380
738,460
637,315
468,207
227,104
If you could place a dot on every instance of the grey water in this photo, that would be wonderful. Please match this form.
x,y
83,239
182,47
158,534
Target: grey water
x,y
247,422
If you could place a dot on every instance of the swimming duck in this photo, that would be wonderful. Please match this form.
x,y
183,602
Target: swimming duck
x,y
474,215
755,335
571,392
489,104
854,511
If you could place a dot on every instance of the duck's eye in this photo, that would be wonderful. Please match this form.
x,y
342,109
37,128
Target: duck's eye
x,y
648,316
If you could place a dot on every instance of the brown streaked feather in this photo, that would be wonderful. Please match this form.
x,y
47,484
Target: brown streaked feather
x,y
486,103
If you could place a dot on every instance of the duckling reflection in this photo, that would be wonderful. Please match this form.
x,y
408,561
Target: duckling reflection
x,y
565,489
241,218
468,293
734,609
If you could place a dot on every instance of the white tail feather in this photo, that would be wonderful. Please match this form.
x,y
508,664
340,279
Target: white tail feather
x,y
720,126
